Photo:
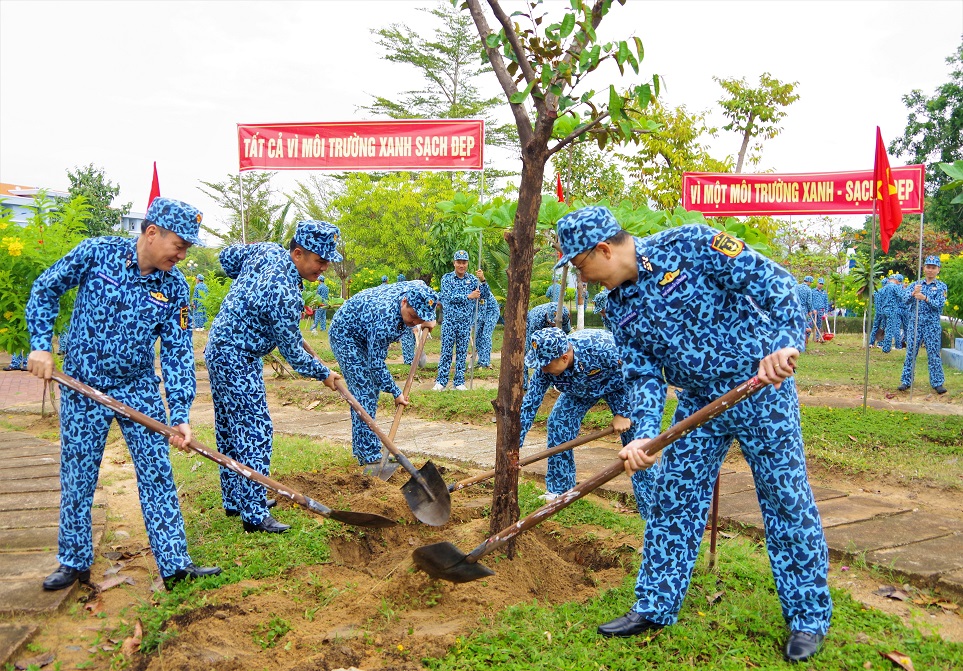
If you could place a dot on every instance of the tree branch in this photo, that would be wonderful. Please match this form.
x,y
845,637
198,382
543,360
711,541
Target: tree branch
x,y
575,134
522,122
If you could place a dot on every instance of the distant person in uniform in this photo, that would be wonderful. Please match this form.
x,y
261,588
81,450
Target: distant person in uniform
x,y
197,304
322,293
929,297
458,294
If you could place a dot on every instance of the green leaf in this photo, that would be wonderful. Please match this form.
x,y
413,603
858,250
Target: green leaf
x,y
521,96
493,40
552,32
546,74
638,48
656,84
583,59
644,95
623,53
568,24
615,102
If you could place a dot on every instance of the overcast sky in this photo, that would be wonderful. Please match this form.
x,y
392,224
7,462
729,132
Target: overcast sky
x,y
123,84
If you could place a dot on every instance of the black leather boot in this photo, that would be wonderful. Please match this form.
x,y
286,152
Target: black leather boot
x,y
802,645
190,571
630,624
64,577
268,525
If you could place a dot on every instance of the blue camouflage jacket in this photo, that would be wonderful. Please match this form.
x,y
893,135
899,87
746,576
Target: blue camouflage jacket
x,y
543,316
935,292
596,372
553,291
200,291
805,296
263,308
691,318
118,316
454,295
323,293
819,299
372,320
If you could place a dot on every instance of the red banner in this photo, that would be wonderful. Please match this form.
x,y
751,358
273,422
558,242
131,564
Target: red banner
x,y
718,194
444,144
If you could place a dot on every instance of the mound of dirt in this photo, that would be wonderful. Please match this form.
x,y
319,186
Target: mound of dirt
x,y
370,607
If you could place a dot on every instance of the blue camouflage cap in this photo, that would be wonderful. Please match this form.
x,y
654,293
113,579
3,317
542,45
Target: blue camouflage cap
x,y
898,277
402,278
384,278
177,217
820,281
547,345
200,278
461,255
582,229
808,279
933,260
422,298
319,237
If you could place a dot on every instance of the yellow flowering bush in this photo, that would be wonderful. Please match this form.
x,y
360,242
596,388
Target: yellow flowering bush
x,y
25,252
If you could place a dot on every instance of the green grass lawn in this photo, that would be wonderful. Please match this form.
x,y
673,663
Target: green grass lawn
x,y
730,620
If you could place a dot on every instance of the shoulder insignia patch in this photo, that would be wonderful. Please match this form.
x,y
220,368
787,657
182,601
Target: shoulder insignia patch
x,y
594,371
728,245
184,314
159,296
668,277
644,260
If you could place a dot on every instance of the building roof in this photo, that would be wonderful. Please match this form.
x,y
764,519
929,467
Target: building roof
x,y
29,191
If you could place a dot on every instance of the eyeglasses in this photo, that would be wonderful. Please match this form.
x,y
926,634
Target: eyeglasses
x,y
579,266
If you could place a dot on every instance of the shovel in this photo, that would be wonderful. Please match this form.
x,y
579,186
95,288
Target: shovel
x,y
385,470
544,454
347,517
426,491
446,562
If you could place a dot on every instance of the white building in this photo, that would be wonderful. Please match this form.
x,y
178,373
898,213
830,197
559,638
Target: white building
x,y
20,199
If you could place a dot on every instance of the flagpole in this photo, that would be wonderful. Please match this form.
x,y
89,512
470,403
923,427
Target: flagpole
x,y
869,299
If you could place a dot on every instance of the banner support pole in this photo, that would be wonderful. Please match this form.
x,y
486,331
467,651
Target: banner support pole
x,y
871,287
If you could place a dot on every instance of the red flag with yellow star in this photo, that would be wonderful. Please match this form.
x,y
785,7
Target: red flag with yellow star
x,y
890,214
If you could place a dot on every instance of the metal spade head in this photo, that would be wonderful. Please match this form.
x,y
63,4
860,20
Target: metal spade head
x,y
444,561
828,336
382,470
369,520
432,512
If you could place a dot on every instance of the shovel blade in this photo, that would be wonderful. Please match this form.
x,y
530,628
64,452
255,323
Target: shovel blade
x,y
369,520
444,561
431,512
383,470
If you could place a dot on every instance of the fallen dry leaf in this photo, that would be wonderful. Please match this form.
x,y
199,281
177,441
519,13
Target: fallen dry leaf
x,y
94,606
313,404
132,643
715,597
113,581
891,592
853,438
901,660
946,605
37,661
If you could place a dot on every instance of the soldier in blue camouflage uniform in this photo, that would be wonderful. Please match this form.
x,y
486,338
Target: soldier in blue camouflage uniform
x,y
543,317
262,311
905,312
17,362
488,314
128,295
890,298
878,321
458,294
598,305
361,332
929,296
321,311
199,311
820,302
585,368
681,317
804,295
554,291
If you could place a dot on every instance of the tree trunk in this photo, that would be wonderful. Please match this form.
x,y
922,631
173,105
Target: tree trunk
x,y
521,244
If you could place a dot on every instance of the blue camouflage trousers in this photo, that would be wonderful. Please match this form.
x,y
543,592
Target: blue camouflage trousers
x,y
878,323
83,435
564,423
892,323
200,318
767,428
455,335
483,342
242,426
930,335
18,361
362,382
408,345
320,320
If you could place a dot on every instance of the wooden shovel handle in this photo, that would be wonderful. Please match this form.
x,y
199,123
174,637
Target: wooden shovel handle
x,y
423,338
544,454
673,433
194,444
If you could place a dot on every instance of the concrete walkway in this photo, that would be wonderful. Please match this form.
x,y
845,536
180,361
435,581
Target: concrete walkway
x,y
924,549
